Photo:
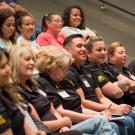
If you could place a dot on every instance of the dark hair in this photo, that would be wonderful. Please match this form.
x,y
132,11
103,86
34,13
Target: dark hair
x,y
70,38
10,89
3,52
66,16
19,17
4,14
46,17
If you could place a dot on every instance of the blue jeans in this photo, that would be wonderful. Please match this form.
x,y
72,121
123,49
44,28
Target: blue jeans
x,y
98,125
126,126
132,115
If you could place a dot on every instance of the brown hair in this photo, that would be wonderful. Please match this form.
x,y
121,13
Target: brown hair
x,y
112,47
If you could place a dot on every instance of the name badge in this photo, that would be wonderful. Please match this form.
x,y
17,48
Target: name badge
x,y
86,83
132,77
63,94
42,93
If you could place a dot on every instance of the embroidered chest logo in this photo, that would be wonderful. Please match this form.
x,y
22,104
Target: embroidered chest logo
x,y
2,120
101,78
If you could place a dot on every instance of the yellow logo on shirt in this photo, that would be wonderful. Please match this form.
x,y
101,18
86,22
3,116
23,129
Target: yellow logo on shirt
x,y
101,78
2,120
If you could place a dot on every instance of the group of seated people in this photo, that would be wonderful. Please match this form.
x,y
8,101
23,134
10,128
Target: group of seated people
x,y
60,83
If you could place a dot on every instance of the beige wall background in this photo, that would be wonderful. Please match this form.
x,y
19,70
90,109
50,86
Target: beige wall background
x,y
112,24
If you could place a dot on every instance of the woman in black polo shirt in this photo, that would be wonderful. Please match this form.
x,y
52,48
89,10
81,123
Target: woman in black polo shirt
x,y
117,59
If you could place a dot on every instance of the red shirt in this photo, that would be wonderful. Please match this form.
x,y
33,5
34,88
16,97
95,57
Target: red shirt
x,y
45,39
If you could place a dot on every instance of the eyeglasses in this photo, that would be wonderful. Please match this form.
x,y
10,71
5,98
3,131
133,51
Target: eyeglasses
x,y
57,21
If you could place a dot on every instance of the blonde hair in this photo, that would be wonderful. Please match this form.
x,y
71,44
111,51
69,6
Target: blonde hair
x,y
53,57
16,53
91,40
111,48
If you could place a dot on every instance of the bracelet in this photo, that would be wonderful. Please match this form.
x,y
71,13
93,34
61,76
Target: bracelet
x,y
109,106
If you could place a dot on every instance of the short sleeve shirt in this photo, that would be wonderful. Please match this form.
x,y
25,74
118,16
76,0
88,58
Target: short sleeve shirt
x,y
98,75
82,79
131,67
46,39
111,73
89,84
40,102
124,71
72,102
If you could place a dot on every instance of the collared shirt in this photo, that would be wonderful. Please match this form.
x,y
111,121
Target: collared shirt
x,y
40,101
124,71
98,74
110,72
70,101
81,78
91,84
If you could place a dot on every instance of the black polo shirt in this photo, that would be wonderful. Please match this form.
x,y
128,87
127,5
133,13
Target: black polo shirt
x,y
110,72
81,78
102,76
71,102
40,102
97,73
127,98
124,71
131,67
10,116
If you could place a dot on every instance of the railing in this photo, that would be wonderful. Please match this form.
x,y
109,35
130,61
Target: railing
x,y
119,8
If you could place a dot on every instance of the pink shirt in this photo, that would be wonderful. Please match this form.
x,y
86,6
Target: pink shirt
x,y
45,39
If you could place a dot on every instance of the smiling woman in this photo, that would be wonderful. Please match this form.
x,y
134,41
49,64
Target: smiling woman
x,y
74,22
7,31
51,26
25,25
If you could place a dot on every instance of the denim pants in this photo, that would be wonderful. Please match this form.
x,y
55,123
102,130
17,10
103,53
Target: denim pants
x,y
98,125
126,126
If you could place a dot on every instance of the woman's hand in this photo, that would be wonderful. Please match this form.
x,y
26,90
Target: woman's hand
x,y
63,129
124,108
41,133
67,121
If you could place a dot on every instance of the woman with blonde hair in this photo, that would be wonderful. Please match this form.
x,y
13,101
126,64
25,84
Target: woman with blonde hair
x,y
12,118
22,62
